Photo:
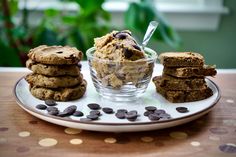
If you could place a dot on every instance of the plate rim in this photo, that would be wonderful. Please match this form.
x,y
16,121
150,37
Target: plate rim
x,y
25,107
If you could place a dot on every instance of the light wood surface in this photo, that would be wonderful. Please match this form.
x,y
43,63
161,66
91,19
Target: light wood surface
x,y
204,136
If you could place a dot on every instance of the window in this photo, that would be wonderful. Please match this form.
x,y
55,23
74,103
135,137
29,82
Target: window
x,y
182,14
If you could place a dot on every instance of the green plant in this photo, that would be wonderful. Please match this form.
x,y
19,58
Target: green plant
x,y
74,28
138,16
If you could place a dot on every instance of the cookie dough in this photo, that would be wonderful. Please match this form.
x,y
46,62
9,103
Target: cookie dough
x,y
55,55
59,94
39,80
53,70
119,60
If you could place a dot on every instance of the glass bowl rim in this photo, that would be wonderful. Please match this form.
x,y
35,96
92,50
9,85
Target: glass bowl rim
x,y
153,56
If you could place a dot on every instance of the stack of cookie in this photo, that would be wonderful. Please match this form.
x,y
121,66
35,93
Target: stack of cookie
x,y
183,77
56,73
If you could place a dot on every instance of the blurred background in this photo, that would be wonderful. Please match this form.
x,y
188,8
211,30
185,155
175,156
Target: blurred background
x,y
204,26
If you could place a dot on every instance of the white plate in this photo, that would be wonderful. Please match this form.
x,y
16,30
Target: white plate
x,y
108,122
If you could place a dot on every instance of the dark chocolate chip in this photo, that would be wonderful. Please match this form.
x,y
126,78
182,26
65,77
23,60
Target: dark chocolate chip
x,y
121,35
52,108
59,52
94,106
95,112
150,108
120,115
70,110
131,117
79,65
137,47
133,112
107,110
53,112
92,116
147,113
41,106
122,110
50,102
62,114
128,53
159,111
164,116
78,114
153,117
182,109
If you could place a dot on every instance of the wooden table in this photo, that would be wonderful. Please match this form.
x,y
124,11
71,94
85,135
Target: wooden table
x,y
212,135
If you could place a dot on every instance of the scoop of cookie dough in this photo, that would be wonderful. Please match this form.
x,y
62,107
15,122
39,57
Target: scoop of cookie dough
x,y
118,59
118,46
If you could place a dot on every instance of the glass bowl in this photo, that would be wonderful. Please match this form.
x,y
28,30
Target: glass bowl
x,y
121,80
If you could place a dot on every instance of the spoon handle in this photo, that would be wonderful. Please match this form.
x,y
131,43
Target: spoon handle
x,y
150,30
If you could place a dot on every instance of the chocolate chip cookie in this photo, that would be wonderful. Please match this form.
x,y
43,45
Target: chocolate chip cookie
x,y
39,80
55,55
181,59
180,96
59,94
53,70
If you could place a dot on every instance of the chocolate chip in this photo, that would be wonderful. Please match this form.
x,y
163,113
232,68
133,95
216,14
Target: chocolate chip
x,y
164,116
153,116
52,108
182,109
79,65
131,115
121,35
62,114
41,107
59,52
78,114
132,118
120,115
132,112
95,112
94,106
107,110
137,47
50,102
128,53
53,112
122,110
147,113
92,116
150,108
159,111
70,110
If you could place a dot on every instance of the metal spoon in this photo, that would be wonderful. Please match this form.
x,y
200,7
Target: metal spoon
x,y
150,30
